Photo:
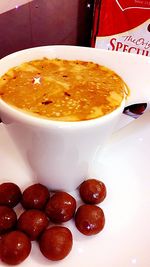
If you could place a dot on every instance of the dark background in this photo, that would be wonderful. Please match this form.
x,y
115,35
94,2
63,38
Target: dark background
x,y
46,22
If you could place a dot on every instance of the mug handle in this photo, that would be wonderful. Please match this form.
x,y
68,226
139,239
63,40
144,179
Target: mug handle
x,y
136,77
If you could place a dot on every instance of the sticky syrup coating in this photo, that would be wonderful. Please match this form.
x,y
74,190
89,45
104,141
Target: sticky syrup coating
x,y
92,191
8,219
56,243
35,196
89,219
10,194
33,223
15,247
61,207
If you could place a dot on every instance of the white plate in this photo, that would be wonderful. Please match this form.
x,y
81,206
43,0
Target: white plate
x,y
124,166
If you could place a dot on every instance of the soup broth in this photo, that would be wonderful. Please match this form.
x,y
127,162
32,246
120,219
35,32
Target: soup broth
x,y
65,90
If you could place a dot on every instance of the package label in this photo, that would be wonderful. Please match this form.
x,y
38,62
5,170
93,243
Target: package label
x,y
122,25
135,41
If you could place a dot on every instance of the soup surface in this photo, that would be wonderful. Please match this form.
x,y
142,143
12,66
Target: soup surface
x,y
66,90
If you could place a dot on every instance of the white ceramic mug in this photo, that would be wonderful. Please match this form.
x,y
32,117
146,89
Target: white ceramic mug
x,y
60,153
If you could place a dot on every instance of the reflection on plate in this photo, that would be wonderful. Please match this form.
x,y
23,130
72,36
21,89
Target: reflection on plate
x,y
124,166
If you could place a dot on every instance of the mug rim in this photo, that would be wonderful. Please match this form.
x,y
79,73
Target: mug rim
x,y
28,118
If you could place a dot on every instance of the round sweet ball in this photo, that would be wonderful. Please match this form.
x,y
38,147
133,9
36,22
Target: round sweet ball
x,y
61,207
8,219
10,194
56,243
32,222
15,247
92,191
35,197
89,219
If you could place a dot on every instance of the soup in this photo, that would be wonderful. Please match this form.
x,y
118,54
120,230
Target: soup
x,y
65,90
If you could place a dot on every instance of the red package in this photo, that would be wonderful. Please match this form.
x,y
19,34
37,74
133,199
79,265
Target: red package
x,y
122,25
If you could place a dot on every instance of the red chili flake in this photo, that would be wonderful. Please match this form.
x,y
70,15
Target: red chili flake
x,y
46,102
67,94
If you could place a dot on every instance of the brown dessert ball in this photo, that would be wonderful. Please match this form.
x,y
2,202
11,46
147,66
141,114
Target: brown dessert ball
x,y
8,219
92,191
33,223
61,207
89,219
35,197
10,194
14,247
56,243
